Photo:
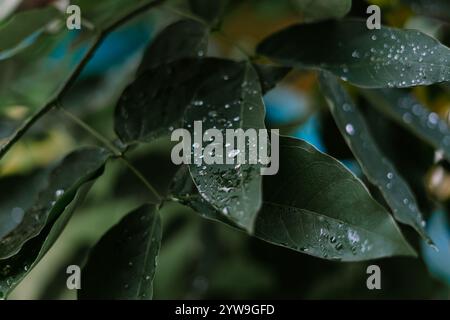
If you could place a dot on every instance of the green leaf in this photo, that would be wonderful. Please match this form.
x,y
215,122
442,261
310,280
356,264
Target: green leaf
x,y
29,215
183,39
379,170
322,9
211,11
122,264
229,98
388,57
14,269
269,75
314,205
407,111
154,104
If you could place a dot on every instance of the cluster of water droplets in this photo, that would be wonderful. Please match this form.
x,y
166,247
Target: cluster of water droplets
x,y
407,59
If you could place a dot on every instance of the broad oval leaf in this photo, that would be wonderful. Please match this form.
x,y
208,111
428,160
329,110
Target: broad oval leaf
x,y
229,98
57,191
314,205
122,264
182,39
14,269
407,111
380,171
322,9
388,57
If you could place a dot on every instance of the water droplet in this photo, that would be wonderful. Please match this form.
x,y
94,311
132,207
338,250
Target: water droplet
x,y
390,175
233,153
59,193
350,129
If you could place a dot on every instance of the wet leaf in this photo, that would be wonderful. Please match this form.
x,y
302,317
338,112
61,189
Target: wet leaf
x,y
388,57
229,98
122,264
29,216
14,269
322,9
378,169
183,39
314,205
406,110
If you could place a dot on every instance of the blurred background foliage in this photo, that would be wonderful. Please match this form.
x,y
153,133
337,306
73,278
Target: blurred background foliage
x,y
200,259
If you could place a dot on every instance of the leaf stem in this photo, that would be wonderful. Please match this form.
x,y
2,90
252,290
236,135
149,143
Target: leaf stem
x,y
118,153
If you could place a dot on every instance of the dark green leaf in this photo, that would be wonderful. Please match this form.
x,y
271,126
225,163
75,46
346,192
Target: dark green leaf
x,y
387,57
322,9
406,110
122,264
375,165
229,98
183,39
269,75
14,269
316,206
154,104
29,215
208,10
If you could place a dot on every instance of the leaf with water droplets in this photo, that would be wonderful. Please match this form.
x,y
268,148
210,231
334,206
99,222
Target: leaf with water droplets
x,y
388,57
48,200
379,170
122,264
182,39
228,99
314,205
14,269
154,104
405,109
322,9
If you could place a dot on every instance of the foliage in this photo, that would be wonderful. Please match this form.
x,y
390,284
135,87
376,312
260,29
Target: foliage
x,y
315,205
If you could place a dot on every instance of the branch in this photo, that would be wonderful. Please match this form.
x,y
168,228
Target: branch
x,y
74,76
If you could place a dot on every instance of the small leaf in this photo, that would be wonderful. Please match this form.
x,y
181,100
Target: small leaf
x,y
122,264
314,205
183,39
14,269
375,165
388,57
406,110
322,9
269,75
229,98
30,216
208,10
